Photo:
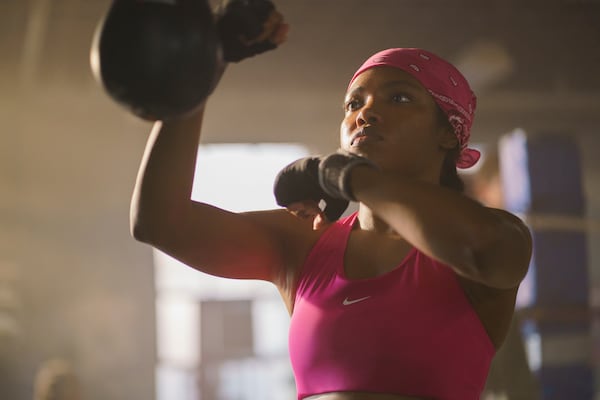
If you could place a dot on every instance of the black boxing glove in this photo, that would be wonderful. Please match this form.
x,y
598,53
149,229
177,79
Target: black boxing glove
x,y
299,181
334,173
238,23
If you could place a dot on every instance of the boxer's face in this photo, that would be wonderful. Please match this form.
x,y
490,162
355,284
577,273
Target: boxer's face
x,y
390,118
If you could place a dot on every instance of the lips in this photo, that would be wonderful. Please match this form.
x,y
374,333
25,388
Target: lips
x,y
365,135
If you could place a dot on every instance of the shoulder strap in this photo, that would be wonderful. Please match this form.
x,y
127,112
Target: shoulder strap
x,y
326,256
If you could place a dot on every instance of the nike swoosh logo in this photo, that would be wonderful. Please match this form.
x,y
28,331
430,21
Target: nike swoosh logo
x,y
347,302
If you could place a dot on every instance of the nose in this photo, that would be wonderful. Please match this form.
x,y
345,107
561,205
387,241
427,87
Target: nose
x,y
367,115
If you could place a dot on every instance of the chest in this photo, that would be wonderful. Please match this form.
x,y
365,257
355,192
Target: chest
x,y
369,255
374,273
396,324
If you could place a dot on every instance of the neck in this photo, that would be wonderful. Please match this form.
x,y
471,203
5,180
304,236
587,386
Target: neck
x,y
369,221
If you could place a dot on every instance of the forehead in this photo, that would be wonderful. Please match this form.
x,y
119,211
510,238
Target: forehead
x,y
385,76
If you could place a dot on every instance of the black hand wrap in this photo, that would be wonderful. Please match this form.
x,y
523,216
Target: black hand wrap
x,y
238,23
334,173
299,181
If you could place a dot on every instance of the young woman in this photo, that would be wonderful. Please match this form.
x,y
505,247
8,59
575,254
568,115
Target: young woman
x,y
406,299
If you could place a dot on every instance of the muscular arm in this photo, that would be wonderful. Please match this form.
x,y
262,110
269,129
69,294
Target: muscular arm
x,y
489,246
249,245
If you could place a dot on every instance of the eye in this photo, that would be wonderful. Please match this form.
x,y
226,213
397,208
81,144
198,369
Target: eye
x,y
352,105
400,98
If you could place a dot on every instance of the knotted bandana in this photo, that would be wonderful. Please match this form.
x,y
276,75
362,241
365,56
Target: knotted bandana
x,y
444,82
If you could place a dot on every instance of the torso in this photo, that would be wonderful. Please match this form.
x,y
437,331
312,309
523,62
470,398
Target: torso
x,y
493,306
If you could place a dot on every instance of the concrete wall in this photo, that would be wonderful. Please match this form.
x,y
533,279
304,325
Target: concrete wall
x,y
79,286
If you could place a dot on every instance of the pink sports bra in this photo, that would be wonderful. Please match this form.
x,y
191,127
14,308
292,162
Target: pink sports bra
x,y
411,331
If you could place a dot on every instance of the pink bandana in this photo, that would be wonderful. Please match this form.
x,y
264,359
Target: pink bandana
x,y
445,83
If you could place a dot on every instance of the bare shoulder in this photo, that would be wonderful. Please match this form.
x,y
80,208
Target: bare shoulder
x,y
514,230
495,304
514,221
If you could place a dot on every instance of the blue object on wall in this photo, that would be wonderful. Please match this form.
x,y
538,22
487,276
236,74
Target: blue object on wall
x,y
542,180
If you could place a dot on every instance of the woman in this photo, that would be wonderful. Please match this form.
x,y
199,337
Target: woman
x,y
406,299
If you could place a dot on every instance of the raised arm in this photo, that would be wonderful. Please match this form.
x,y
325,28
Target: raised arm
x,y
486,245
215,241
259,245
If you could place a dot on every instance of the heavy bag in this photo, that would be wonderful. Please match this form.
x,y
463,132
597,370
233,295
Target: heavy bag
x,y
158,58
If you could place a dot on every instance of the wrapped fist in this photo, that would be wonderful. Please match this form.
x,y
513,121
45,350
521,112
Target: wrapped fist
x,y
249,27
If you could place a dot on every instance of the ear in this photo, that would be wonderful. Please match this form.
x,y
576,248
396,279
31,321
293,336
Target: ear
x,y
448,140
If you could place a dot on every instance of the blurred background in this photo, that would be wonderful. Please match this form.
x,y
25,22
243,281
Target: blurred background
x,y
87,312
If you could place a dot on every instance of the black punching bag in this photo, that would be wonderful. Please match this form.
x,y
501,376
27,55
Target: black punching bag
x,y
158,58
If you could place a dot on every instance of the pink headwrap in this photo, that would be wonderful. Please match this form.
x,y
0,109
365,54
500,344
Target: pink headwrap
x,y
445,83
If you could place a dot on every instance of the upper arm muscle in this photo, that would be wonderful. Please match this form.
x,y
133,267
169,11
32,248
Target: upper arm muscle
x,y
242,246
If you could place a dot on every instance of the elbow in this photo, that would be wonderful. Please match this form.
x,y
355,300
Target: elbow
x,y
142,229
143,223
154,231
139,231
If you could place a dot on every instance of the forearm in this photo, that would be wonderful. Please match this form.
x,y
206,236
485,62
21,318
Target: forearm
x,y
163,187
438,221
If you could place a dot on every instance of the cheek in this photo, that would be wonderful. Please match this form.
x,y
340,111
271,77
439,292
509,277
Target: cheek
x,y
345,130
417,133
